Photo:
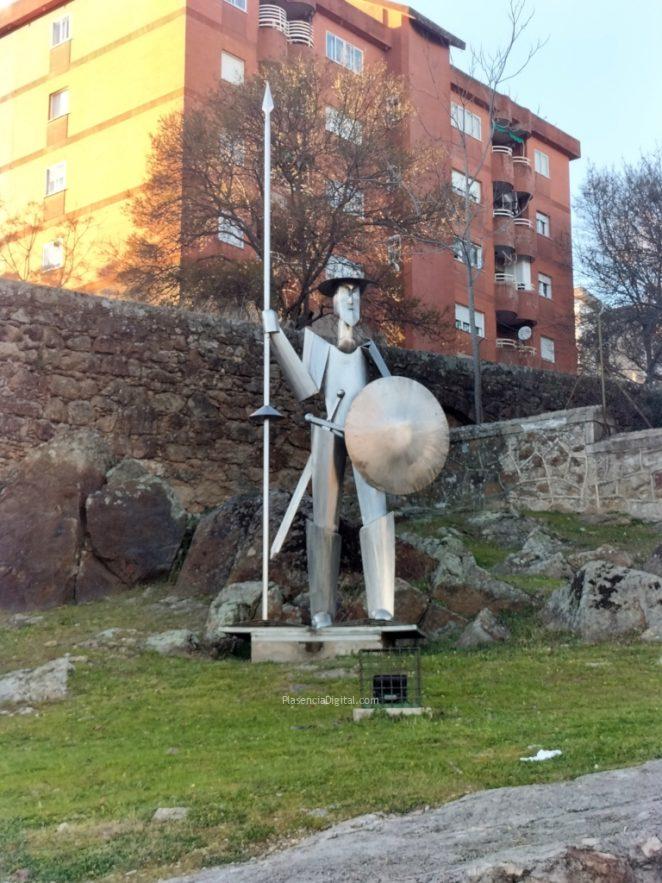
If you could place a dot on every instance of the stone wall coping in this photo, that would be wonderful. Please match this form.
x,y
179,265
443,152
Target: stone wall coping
x,y
552,420
628,442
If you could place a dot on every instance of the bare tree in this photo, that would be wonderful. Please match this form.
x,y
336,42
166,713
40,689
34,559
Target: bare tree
x,y
64,261
620,253
490,73
344,189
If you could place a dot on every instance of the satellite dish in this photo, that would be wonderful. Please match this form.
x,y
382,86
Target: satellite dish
x,y
524,333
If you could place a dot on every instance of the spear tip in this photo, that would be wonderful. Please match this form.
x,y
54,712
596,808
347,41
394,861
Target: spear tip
x,y
268,101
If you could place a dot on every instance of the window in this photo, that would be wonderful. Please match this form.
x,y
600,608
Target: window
x,y
339,196
343,126
475,253
542,224
52,255
466,121
547,349
239,4
60,30
541,162
230,232
56,178
545,286
344,53
394,251
523,274
232,69
459,183
58,104
339,268
462,322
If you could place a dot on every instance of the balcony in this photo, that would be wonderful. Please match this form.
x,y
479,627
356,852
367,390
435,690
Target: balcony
x,y
503,343
296,31
523,175
506,300
504,230
526,241
528,304
502,164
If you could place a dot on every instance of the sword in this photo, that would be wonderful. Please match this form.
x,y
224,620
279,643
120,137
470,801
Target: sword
x,y
304,480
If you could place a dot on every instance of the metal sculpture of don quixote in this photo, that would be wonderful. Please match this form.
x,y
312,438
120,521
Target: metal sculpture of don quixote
x,y
392,430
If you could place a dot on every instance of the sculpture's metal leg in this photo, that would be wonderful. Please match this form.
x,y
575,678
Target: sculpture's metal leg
x,y
322,537
377,549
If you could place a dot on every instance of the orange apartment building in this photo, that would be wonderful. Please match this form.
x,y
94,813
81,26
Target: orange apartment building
x,y
84,82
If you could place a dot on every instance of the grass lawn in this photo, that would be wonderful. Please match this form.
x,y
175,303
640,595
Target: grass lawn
x,y
140,731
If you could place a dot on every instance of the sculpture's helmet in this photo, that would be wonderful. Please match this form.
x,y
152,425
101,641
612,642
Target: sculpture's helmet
x,y
346,294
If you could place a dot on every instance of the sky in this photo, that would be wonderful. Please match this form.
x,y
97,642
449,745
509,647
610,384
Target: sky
x,y
598,77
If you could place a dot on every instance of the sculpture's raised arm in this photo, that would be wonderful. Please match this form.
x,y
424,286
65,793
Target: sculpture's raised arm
x,y
294,371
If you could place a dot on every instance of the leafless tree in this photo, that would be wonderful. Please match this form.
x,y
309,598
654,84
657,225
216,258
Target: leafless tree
x,y
64,261
490,73
620,253
344,188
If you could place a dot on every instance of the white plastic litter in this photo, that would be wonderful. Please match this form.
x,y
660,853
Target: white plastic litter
x,y
543,754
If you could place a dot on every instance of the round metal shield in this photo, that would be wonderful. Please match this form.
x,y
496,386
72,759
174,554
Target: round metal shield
x,y
397,435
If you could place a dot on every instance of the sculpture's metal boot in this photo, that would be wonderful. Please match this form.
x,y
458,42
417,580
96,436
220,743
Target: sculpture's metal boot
x,y
378,554
323,547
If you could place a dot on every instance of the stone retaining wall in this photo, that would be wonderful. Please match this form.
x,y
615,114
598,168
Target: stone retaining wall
x,y
174,389
563,461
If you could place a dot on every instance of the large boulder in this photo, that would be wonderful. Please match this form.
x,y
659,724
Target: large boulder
x,y
606,601
238,602
508,529
654,562
227,547
410,602
458,582
40,512
135,524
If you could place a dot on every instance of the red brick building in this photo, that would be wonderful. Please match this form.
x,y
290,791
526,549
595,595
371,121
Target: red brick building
x,y
149,59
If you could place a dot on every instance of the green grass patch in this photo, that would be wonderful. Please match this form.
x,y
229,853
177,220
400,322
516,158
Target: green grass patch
x,y
140,731
636,537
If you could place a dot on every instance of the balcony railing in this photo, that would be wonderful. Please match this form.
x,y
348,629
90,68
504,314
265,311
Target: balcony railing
x,y
504,343
504,278
272,16
508,151
523,222
503,213
300,32
522,160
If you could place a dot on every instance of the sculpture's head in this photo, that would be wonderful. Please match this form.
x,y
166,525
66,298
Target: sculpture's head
x,y
347,302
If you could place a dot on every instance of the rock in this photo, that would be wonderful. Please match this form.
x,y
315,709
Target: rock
x,y
438,622
135,526
170,814
112,639
410,603
603,553
654,562
485,629
227,547
235,603
173,642
46,683
589,829
458,582
540,555
95,580
40,512
652,635
22,620
605,601
507,529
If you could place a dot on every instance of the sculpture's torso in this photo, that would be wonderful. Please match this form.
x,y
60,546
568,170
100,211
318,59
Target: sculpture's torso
x,y
332,370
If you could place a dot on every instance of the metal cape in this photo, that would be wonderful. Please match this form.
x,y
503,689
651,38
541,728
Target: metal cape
x,y
396,434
